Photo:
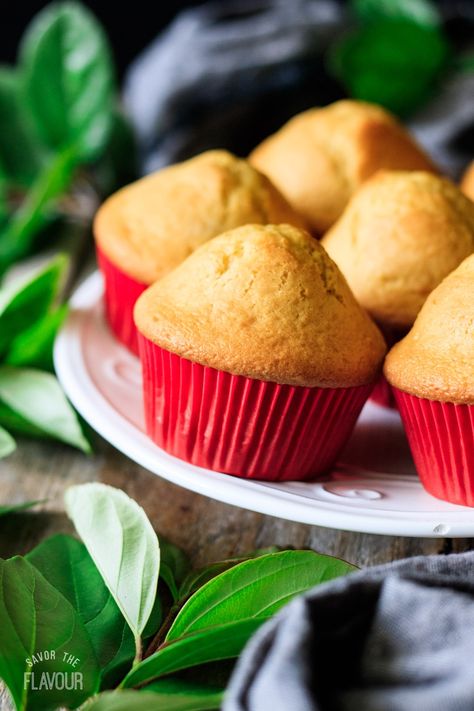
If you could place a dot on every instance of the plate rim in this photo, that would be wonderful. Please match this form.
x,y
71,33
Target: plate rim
x,y
79,387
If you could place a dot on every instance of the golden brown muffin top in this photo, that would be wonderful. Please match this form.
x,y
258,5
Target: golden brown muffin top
x,y
467,182
321,156
150,226
436,359
265,302
399,236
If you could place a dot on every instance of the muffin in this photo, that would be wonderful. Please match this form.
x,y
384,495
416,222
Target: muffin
x,y
467,182
146,229
320,157
432,373
256,357
400,235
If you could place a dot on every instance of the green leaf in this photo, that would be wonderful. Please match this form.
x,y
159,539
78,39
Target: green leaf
x,y
34,617
163,695
224,641
197,578
17,424
4,208
255,588
421,12
23,303
155,619
68,78
183,695
123,545
174,566
7,445
37,397
363,59
34,346
4,510
66,564
20,153
18,235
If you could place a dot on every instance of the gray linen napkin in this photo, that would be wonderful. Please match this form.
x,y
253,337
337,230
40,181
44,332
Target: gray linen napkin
x,y
227,74
396,637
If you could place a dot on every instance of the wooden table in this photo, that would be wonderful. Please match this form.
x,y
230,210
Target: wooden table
x,y
208,530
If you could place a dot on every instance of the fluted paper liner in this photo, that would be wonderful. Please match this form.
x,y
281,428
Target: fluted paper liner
x,y
120,295
382,394
242,426
441,437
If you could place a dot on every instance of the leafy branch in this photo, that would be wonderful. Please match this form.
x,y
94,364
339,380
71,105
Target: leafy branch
x,y
63,145
395,54
118,592
32,402
59,122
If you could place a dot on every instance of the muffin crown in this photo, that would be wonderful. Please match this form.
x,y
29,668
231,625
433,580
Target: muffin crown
x,y
150,226
436,359
321,156
400,235
265,302
467,182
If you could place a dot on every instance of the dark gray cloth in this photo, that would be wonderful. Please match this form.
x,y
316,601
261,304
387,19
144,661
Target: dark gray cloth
x,y
227,74
392,638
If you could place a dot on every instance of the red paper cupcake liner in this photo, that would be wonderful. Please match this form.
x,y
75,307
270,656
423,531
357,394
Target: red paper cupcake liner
x,y
382,394
242,426
120,294
441,438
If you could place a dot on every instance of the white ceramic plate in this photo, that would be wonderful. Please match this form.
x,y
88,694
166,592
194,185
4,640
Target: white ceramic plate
x,y
373,488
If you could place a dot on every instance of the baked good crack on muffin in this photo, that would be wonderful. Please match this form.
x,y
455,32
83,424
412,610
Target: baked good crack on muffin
x,y
256,357
149,227
400,235
321,156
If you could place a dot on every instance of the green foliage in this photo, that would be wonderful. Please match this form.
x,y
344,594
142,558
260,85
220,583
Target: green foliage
x,y
7,443
31,400
35,616
100,599
66,564
37,397
371,66
421,12
223,641
163,695
123,545
68,80
21,156
60,129
394,56
255,588
4,510
174,567
58,119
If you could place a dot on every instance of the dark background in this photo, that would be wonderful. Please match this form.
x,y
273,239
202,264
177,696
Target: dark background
x,y
130,25
187,118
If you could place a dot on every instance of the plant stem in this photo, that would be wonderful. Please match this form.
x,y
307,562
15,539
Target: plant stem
x,y
16,240
159,637
138,650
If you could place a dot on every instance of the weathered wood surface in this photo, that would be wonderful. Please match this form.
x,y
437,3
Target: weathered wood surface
x,y
206,529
